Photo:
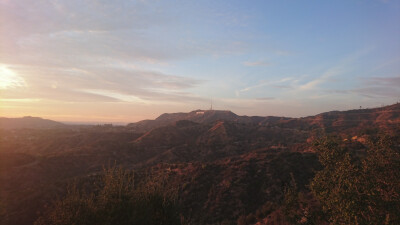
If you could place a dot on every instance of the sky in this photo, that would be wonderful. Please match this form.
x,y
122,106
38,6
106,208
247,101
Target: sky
x,y
125,61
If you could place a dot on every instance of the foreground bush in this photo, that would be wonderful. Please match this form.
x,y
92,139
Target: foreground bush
x,y
117,201
359,190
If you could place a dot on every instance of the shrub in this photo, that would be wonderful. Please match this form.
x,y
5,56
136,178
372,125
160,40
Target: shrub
x,y
117,201
359,190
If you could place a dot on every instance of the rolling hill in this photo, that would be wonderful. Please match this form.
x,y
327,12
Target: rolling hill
x,y
28,122
223,165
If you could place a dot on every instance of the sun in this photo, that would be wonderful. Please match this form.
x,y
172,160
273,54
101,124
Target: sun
x,y
9,79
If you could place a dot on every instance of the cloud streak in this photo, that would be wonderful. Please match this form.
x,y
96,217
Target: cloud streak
x,y
110,84
379,87
275,83
313,84
95,51
257,63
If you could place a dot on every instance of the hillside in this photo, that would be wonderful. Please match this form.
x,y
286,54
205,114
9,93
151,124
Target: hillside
x,y
28,122
224,166
385,117
199,116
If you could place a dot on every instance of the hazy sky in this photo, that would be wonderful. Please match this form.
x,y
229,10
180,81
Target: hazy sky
x,y
107,61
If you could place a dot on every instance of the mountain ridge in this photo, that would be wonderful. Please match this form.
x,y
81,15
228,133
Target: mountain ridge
x,y
199,116
388,114
28,122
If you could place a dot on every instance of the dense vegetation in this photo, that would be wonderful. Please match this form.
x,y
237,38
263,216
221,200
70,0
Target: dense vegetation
x,y
355,189
351,188
116,200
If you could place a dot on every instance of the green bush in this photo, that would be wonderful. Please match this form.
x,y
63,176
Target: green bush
x,y
355,190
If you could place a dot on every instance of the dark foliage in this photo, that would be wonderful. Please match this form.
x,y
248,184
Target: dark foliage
x,y
359,189
118,201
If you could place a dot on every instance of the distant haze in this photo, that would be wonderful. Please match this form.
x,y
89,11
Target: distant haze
x,y
125,61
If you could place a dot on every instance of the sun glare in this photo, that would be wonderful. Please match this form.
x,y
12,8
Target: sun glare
x,y
9,79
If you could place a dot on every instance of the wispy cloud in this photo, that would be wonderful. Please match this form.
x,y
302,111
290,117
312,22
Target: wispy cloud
x,y
139,53
257,63
329,74
284,53
321,79
101,84
373,87
387,63
96,51
265,99
263,84
384,81
9,79
378,87
61,33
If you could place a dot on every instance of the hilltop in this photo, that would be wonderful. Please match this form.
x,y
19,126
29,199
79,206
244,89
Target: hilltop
x,y
199,116
28,122
385,117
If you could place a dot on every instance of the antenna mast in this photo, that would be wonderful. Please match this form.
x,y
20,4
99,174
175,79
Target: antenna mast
x,y
211,105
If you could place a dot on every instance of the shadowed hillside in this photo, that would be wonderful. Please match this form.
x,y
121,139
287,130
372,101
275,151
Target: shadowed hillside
x,y
200,116
225,166
385,117
28,122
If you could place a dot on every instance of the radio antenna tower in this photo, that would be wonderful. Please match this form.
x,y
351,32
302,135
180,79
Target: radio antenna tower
x,y
211,105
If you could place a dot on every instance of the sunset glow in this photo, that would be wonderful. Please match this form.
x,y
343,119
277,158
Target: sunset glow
x,y
8,79
124,61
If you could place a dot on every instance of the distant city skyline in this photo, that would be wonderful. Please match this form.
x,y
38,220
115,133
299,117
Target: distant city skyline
x,y
125,61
